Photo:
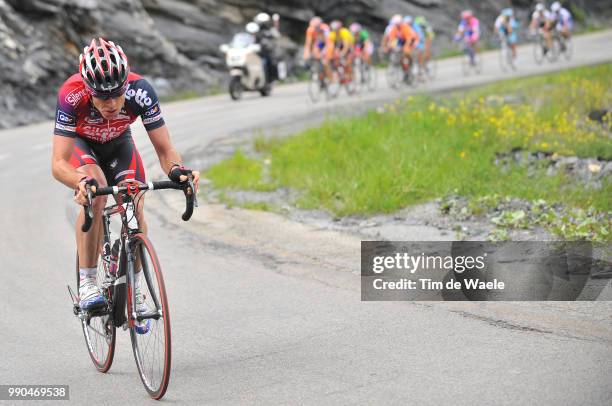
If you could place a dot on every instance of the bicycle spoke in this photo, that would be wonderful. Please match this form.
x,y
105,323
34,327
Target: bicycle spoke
x,y
152,346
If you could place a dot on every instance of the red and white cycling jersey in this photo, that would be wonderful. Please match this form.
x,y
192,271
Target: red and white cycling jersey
x,y
76,115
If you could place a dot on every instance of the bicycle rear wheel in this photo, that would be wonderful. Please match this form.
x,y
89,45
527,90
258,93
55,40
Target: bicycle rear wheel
x,y
372,77
151,345
98,328
538,50
568,50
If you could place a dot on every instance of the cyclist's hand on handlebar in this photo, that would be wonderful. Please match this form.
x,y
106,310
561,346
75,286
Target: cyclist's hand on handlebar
x,y
180,174
80,192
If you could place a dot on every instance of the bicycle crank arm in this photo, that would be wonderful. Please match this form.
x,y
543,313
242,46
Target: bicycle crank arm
x,y
153,315
75,303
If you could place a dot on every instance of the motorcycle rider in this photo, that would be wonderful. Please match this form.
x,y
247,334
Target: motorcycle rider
x,y
267,37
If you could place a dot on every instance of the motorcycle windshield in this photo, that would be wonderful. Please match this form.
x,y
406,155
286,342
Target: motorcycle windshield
x,y
242,40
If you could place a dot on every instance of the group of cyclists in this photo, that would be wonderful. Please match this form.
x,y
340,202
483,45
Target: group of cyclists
x,y
558,20
334,43
413,36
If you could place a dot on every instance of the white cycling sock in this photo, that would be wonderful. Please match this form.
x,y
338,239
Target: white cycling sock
x,y
87,273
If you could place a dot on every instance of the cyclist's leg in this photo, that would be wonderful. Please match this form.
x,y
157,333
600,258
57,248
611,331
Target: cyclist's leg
x,y
367,52
512,41
123,163
548,35
406,57
327,61
349,62
85,162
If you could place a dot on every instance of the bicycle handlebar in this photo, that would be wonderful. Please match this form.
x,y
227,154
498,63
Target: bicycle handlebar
x,y
187,188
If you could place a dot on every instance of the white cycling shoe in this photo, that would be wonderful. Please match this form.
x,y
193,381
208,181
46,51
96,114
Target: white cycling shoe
x,y
90,295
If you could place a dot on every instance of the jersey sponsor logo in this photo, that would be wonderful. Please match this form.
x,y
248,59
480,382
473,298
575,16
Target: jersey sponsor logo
x,y
139,95
74,97
65,127
150,120
152,111
63,117
104,133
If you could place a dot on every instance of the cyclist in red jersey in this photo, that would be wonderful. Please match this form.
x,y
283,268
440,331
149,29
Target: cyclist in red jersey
x,y
93,145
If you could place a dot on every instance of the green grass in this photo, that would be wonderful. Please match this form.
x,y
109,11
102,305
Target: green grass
x,y
184,95
427,147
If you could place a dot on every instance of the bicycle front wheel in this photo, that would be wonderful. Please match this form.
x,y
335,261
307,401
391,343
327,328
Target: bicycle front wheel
x,y
150,332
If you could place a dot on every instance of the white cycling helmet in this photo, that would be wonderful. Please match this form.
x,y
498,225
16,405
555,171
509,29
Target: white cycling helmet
x,y
407,20
262,18
556,6
252,28
335,25
395,20
540,7
355,27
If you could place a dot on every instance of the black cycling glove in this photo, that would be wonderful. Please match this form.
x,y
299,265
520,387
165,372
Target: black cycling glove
x,y
176,172
88,180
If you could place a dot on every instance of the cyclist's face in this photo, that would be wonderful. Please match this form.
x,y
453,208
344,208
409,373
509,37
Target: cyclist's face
x,y
109,108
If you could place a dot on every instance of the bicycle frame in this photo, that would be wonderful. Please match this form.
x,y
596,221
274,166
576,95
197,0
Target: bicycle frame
x,y
126,271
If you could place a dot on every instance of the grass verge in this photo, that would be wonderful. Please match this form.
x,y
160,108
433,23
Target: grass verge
x,y
428,147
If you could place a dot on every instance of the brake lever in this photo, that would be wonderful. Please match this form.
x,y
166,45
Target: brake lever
x,y
193,190
89,201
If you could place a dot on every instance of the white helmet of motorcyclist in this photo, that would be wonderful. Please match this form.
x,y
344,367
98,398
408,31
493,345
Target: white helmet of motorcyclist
x,y
262,18
252,28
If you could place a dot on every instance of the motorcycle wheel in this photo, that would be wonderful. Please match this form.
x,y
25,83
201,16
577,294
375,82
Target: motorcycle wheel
x,y
266,90
235,88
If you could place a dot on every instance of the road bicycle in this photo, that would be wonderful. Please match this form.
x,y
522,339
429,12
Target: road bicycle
x,y
563,45
506,58
365,72
122,264
541,51
471,62
431,66
341,77
400,70
317,81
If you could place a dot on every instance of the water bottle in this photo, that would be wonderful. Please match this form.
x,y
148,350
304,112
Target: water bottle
x,y
114,256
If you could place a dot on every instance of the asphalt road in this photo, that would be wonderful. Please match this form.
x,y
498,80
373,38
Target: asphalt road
x,y
245,332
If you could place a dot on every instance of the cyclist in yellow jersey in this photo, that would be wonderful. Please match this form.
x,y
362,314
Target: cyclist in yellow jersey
x,y
340,43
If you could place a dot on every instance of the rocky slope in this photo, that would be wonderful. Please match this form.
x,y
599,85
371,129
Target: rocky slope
x,y
175,42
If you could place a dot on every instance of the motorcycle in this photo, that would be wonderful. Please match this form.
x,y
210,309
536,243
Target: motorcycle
x,y
246,66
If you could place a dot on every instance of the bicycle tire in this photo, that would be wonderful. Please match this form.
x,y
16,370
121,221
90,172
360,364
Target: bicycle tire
x,y
569,49
431,68
466,67
538,51
152,275
315,85
102,362
372,81
503,58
